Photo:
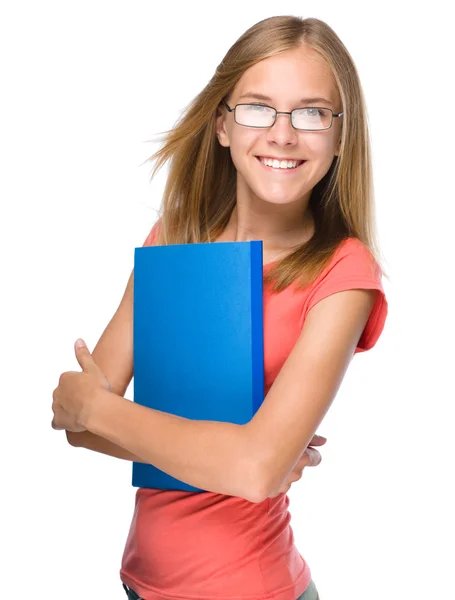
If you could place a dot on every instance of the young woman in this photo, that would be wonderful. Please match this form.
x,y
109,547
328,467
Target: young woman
x,y
276,148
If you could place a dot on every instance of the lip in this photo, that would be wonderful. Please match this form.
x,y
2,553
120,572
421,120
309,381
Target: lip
x,y
276,158
281,171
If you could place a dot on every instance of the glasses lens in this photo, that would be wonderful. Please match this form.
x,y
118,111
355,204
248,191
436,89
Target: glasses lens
x,y
254,115
312,118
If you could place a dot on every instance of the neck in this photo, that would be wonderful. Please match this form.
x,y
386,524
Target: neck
x,y
278,235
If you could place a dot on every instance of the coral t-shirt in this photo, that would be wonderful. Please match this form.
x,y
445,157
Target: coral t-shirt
x,y
206,546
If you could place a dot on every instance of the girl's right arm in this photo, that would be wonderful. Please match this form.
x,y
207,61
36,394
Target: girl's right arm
x,y
114,355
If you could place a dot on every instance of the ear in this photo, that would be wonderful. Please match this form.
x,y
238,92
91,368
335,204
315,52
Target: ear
x,y
221,131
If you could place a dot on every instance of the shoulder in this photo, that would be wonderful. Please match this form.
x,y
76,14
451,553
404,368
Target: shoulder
x,y
353,259
352,267
149,240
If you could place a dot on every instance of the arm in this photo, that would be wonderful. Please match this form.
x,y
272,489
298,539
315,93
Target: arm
x,y
91,441
124,427
248,460
215,456
308,382
114,355
209,455
252,460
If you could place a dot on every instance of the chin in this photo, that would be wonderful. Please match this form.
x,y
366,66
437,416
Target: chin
x,y
279,197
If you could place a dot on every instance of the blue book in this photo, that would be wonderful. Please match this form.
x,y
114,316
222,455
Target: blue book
x,y
197,336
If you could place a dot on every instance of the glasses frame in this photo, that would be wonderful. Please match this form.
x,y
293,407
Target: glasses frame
x,y
279,112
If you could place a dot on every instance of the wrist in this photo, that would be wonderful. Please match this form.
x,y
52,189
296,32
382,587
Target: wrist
x,y
90,408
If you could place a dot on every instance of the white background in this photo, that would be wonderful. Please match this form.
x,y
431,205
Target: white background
x,y
83,87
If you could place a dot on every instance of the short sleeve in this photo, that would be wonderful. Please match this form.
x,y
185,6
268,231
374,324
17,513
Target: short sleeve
x,y
152,235
353,267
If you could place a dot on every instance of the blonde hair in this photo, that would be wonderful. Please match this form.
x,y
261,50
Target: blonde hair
x,y
200,190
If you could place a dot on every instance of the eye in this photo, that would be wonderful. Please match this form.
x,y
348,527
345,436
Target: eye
x,y
311,112
258,108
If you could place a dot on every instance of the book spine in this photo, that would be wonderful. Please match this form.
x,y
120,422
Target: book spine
x,y
257,325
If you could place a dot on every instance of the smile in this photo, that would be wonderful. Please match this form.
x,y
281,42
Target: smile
x,y
284,171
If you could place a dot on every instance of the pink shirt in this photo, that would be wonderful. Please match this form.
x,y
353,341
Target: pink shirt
x,y
206,546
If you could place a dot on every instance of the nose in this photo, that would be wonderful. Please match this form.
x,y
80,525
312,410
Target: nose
x,y
282,132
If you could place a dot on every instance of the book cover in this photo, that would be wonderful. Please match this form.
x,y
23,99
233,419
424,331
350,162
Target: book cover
x,y
198,336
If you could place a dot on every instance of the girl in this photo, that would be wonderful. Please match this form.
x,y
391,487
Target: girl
x,y
276,148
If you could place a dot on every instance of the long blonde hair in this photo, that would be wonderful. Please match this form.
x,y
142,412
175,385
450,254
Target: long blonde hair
x,y
200,190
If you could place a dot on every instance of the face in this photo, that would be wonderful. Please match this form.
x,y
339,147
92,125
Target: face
x,y
286,79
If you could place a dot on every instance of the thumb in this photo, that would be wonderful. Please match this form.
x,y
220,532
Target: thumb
x,y
84,358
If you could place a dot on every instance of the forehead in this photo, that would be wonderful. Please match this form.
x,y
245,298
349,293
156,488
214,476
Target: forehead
x,y
289,76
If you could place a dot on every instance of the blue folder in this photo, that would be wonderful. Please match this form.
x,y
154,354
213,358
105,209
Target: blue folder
x,y
198,348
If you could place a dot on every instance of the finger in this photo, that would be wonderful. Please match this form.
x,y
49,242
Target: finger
x,y
317,440
305,460
84,358
54,425
314,457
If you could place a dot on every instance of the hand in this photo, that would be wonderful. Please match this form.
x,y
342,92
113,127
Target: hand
x,y
76,392
310,458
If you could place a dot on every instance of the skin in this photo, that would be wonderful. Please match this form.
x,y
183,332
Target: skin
x,y
271,206
71,400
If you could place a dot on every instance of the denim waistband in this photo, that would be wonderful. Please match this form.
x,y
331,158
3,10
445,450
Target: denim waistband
x,y
309,594
131,593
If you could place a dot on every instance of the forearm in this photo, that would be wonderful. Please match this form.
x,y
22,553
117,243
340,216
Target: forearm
x,y
210,455
91,441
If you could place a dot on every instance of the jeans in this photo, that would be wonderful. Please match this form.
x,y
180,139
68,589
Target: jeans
x,y
310,593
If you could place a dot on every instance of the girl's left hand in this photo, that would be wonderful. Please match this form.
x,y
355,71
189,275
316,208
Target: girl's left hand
x,y
311,457
76,392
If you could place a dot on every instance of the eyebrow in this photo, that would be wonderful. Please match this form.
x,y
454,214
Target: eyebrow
x,y
268,99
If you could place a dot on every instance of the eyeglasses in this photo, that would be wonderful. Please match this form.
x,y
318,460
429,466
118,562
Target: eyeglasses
x,y
311,118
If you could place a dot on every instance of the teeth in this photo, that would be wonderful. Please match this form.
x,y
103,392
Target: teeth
x,y
276,164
